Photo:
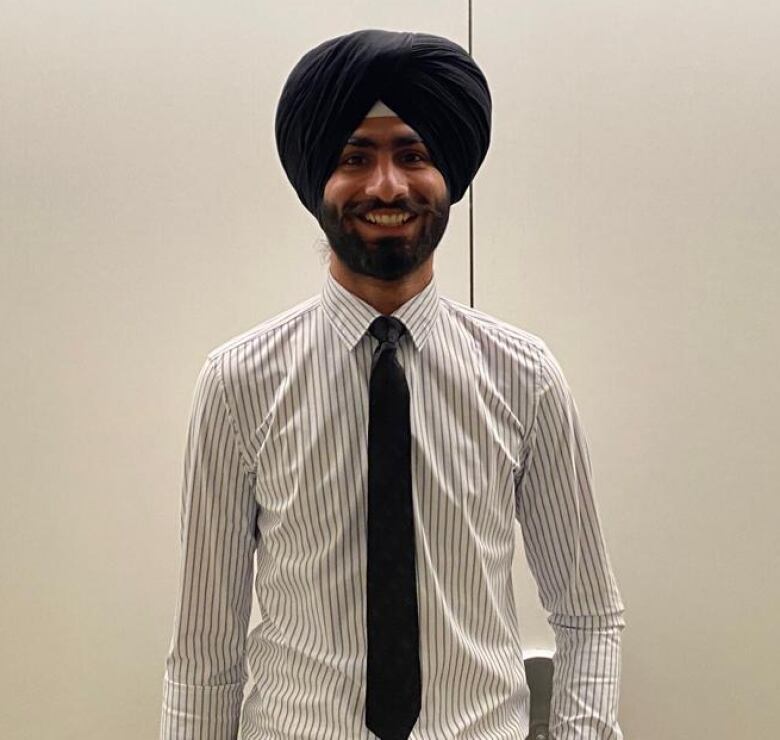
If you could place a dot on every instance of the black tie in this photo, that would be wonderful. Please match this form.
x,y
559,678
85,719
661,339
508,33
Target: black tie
x,y
393,691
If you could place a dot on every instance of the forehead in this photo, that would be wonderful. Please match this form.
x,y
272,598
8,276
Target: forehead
x,y
383,129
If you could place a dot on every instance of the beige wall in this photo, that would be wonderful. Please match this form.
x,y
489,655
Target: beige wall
x,y
627,212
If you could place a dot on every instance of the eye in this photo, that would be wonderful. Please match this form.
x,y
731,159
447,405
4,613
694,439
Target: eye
x,y
420,158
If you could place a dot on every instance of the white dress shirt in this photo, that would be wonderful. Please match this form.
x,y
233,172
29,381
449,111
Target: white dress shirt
x,y
276,468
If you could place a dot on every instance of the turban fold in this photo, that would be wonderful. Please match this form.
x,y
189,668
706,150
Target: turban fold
x,y
432,84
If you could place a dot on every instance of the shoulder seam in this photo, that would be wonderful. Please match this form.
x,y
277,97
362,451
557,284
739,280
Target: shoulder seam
x,y
246,460
540,387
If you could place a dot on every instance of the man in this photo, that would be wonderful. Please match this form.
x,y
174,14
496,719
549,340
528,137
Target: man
x,y
373,447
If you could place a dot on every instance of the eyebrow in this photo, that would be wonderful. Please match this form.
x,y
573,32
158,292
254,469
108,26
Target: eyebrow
x,y
398,141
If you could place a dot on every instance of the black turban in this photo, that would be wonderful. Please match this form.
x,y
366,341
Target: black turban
x,y
430,82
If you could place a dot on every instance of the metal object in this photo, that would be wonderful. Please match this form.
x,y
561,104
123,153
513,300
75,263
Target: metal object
x,y
539,674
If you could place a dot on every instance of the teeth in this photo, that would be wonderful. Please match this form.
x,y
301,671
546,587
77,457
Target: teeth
x,y
388,220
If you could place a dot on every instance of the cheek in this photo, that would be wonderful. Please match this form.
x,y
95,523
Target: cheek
x,y
335,194
331,187
435,183
327,193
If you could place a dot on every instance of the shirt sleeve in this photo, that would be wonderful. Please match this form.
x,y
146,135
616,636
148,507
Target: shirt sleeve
x,y
204,669
567,555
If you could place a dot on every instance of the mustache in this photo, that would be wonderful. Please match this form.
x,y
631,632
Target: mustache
x,y
404,206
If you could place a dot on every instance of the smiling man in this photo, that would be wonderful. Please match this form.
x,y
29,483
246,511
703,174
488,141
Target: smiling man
x,y
385,208
372,448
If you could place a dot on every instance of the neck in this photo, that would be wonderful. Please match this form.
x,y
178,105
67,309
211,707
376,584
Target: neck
x,y
386,296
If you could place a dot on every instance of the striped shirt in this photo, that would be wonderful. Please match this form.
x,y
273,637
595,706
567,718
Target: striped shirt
x,y
275,468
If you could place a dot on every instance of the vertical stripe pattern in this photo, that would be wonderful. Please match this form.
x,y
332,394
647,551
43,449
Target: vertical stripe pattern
x,y
275,469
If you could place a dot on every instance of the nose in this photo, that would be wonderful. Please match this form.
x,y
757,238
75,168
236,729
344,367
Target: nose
x,y
387,182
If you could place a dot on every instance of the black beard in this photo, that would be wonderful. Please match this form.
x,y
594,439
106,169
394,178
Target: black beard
x,y
388,257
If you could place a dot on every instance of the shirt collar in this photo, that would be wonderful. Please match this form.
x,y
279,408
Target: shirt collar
x,y
351,316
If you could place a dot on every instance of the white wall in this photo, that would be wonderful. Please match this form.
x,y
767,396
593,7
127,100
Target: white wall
x,y
627,212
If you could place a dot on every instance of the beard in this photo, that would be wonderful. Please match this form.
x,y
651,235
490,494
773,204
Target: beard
x,y
386,257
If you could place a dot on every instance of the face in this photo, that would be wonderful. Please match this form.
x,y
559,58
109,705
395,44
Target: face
x,y
384,169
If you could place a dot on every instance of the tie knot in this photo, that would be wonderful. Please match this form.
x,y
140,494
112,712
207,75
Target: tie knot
x,y
387,329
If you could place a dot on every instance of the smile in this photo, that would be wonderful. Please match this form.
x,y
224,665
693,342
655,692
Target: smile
x,y
388,222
